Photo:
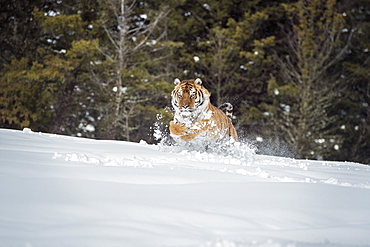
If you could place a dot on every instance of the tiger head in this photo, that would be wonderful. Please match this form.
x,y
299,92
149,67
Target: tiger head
x,y
189,97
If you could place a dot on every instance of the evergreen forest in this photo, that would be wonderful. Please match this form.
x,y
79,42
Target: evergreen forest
x,y
297,72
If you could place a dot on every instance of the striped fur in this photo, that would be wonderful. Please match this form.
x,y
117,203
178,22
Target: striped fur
x,y
227,108
196,117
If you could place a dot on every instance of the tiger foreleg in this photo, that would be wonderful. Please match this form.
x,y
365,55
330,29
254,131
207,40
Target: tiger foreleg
x,y
178,129
194,131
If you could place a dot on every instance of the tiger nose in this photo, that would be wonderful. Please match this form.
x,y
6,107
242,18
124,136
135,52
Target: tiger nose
x,y
185,106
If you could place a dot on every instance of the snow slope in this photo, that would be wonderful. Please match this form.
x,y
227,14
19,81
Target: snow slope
x,y
65,191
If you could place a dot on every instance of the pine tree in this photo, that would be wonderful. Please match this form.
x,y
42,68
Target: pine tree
x,y
255,65
304,96
23,101
19,31
68,55
354,107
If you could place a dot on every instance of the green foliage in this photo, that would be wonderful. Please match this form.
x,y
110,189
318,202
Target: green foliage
x,y
20,34
354,103
23,101
315,45
296,72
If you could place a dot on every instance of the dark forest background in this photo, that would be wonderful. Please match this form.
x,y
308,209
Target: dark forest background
x,y
297,72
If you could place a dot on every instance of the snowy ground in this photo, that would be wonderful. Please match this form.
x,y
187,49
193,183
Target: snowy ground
x,y
64,191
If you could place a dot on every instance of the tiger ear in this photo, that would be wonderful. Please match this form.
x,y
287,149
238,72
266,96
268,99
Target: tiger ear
x,y
198,81
177,81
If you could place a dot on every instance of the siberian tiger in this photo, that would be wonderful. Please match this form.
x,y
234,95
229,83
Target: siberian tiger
x,y
196,118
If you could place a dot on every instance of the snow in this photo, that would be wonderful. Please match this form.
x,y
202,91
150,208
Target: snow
x,y
66,191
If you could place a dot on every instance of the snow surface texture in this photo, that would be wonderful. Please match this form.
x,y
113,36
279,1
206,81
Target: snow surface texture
x,y
65,191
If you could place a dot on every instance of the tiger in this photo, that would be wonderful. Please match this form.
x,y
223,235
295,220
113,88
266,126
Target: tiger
x,y
196,118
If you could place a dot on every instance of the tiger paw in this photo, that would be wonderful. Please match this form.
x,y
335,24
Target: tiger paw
x,y
177,128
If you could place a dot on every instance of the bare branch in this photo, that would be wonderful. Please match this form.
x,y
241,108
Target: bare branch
x,y
150,28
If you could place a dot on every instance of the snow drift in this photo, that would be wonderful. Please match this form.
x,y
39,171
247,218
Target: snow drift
x,y
65,191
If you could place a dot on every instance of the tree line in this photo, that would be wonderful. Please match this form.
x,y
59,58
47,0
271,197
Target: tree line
x,y
297,72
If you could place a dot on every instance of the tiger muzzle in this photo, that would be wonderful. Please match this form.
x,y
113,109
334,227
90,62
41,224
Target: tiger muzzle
x,y
185,107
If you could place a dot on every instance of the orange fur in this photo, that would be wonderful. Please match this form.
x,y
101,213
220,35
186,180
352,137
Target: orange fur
x,y
205,120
